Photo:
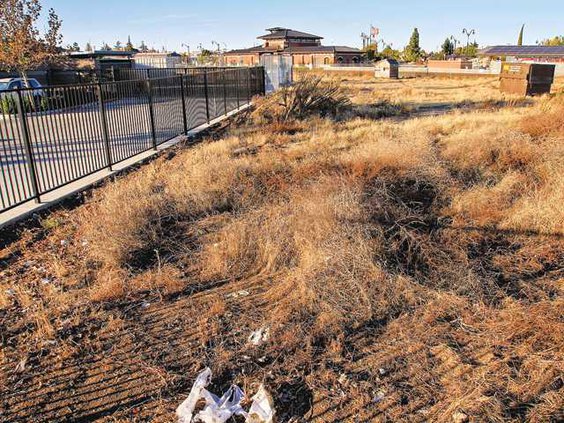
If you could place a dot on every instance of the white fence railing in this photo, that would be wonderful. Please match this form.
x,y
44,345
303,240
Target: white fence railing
x,y
494,69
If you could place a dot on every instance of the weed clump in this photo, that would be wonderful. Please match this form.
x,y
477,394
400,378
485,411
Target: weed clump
x,y
310,95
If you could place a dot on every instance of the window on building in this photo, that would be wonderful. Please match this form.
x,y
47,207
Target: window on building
x,y
355,59
340,59
326,61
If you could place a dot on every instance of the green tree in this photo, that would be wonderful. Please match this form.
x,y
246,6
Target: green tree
x,y
448,47
22,46
520,39
206,57
88,47
555,41
371,51
412,51
389,53
75,47
129,45
118,46
106,46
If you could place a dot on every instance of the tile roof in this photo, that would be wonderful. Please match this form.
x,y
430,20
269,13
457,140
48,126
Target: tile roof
x,y
321,49
523,51
297,50
278,33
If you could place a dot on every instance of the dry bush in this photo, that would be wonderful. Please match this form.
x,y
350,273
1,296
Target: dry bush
x,y
308,96
548,120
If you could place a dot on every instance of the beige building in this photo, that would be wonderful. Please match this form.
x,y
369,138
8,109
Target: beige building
x,y
305,50
156,60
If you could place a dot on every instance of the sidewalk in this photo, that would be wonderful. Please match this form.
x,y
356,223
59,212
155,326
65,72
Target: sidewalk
x,y
48,200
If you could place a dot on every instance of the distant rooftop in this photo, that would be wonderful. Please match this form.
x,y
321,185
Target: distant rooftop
x,y
523,51
100,53
299,49
277,33
158,54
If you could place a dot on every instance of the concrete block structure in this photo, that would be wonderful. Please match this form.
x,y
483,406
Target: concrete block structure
x,y
156,60
387,68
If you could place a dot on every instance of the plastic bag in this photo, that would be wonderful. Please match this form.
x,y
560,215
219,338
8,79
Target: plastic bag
x,y
219,410
186,409
261,410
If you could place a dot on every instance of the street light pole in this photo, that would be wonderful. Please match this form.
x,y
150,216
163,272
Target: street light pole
x,y
468,34
455,42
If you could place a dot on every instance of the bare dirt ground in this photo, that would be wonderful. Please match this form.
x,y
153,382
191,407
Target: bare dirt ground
x,y
406,255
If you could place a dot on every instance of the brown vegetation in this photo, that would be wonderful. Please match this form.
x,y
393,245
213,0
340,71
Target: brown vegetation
x,y
409,269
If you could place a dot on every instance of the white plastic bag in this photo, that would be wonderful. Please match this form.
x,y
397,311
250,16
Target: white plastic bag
x,y
186,409
259,336
261,410
219,410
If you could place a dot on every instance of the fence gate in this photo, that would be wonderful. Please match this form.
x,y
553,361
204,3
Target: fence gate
x,y
278,70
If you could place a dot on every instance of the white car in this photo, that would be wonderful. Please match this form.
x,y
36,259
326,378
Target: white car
x,y
15,83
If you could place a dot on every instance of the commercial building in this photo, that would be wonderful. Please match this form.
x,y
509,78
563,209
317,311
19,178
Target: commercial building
x,y
539,54
305,50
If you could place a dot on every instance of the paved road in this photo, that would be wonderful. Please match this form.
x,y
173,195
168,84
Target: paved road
x,y
69,144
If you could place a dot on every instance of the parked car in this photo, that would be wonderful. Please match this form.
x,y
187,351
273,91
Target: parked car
x,y
32,98
15,83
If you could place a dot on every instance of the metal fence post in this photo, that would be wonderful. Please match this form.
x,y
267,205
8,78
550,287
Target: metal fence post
x,y
27,147
224,80
152,113
248,85
184,120
104,124
237,87
207,95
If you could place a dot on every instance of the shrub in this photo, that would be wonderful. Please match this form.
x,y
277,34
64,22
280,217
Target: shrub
x,y
311,95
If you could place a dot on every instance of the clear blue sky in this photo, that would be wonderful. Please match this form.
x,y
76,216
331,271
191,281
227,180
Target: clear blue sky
x,y
237,23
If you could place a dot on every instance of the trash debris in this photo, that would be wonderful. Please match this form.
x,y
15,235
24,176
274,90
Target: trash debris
x,y
186,409
64,242
145,304
263,359
219,410
45,281
380,395
261,410
10,292
259,336
242,293
382,371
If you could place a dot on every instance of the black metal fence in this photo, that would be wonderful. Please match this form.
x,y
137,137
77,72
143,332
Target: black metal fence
x,y
53,136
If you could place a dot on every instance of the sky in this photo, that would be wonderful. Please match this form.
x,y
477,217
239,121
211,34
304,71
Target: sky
x,y
176,24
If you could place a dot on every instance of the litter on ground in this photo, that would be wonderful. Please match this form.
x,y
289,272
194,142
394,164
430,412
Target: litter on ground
x,y
259,336
219,410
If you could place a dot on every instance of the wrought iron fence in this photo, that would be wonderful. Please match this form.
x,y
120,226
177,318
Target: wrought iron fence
x,y
53,136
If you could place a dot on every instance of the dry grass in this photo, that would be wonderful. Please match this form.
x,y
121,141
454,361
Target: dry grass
x,y
414,260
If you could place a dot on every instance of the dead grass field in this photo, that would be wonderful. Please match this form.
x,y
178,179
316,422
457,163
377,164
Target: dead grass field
x,y
407,256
